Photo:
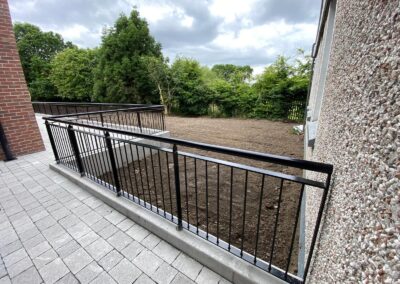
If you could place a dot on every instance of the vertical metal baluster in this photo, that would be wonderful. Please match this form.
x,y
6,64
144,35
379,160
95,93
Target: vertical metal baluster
x,y
195,190
186,191
139,122
206,165
163,121
128,169
217,203
230,212
119,121
244,212
99,156
154,178
94,158
147,176
69,154
161,181
169,186
113,163
294,231
259,217
75,148
141,176
134,172
53,145
122,144
58,142
82,153
276,226
65,145
177,186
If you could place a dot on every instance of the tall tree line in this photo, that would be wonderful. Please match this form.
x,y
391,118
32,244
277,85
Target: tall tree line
x,y
129,67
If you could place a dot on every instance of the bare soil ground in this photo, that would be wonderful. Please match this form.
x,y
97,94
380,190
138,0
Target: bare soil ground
x,y
208,189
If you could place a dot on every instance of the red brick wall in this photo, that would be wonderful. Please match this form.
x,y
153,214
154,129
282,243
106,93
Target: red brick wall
x,y
16,112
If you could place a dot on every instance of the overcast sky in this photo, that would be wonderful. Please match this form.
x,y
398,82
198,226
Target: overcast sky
x,y
240,32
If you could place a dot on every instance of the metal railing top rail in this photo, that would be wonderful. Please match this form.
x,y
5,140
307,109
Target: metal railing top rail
x,y
94,104
144,108
263,157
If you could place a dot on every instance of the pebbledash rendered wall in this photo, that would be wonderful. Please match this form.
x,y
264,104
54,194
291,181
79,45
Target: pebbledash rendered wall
x,y
358,132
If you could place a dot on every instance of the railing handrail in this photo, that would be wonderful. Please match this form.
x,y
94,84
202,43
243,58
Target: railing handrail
x,y
263,157
94,104
156,107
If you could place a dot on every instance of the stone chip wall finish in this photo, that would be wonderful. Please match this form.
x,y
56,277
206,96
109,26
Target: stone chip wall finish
x,y
358,132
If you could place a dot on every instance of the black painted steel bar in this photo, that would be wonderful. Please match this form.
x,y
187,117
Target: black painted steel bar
x,y
169,185
270,158
4,144
244,212
177,186
186,191
161,181
218,197
195,190
206,170
271,256
113,163
53,145
230,210
259,217
75,149
294,231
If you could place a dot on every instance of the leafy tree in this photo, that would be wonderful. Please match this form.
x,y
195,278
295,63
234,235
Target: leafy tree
x,y
161,76
36,49
72,73
229,87
191,93
121,74
233,73
281,86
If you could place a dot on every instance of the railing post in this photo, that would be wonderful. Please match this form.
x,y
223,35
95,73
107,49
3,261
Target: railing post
x,y
113,163
102,119
139,122
177,186
4,144
51,138
75,149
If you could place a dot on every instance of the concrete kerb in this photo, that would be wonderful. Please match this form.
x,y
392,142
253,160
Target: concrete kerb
x,y
216,259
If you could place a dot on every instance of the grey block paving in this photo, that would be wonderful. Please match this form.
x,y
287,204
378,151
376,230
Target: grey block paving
x,y
78,260
164,274
147,261
53,271
187,265
52,231
110,260
29,276
125,272
89,273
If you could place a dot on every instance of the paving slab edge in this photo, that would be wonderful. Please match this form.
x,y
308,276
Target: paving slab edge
x,y
218,260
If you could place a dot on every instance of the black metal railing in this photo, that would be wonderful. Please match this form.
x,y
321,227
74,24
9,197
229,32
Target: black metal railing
x,y
251,211
137,118
58,108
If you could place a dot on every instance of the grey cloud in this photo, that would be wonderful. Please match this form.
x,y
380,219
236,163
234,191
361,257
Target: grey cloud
x,y
204,28
291,11
176,39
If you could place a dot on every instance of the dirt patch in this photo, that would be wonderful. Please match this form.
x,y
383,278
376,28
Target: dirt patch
x,y
215,196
